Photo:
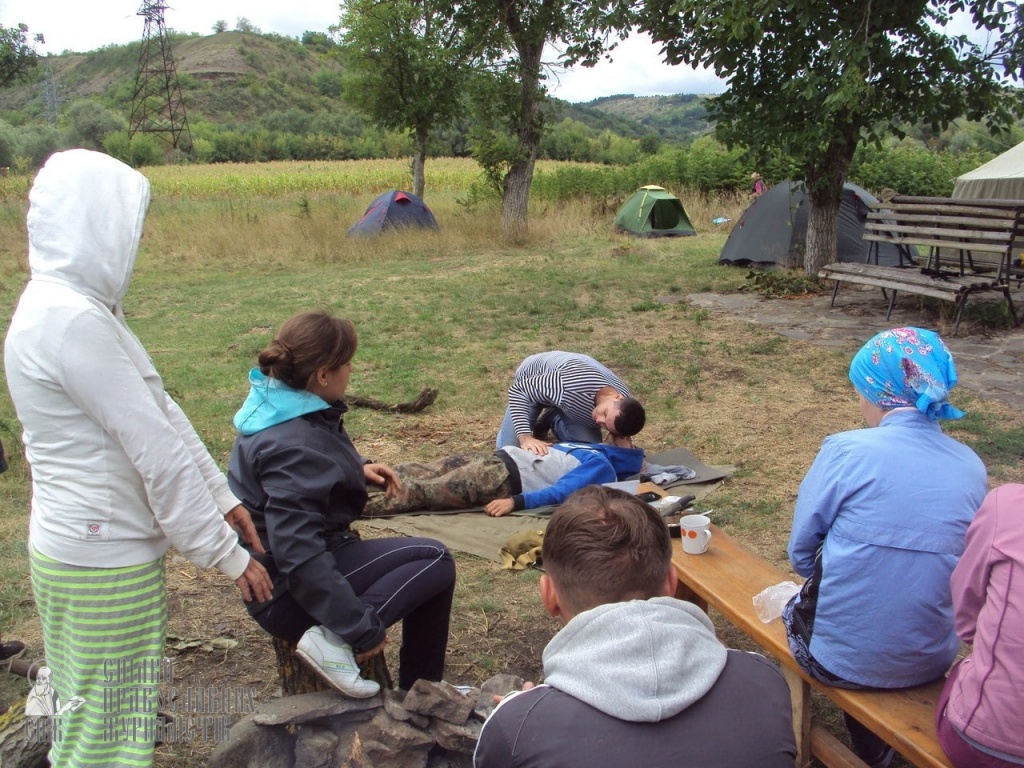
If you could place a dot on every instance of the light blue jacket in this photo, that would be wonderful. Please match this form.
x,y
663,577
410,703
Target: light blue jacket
x,y
891,507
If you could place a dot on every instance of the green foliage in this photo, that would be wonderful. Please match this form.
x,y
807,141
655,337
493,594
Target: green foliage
x,y
776,283
811,78
287,101
88,124
678,119
319,42
911,169
406,65
36,143
242,24
8,144
495,145
141,150
17,54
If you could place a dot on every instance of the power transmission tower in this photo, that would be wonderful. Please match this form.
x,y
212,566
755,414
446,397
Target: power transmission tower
x,y
51,101
157,106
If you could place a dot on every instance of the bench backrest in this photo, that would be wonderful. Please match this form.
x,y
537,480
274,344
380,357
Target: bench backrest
x,y
963,235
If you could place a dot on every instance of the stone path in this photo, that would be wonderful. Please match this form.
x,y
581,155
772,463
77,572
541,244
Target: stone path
x,y
991,365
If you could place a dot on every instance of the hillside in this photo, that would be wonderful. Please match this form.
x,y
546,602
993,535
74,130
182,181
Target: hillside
x,y
228,78
681,117
231,79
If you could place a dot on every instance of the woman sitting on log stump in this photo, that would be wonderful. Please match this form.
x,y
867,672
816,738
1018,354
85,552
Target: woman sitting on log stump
x,y
298,472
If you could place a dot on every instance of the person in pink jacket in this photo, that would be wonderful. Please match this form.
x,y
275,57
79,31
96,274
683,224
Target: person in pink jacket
x,y
981,708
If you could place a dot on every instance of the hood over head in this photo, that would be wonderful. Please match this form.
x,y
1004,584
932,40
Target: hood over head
x,y
626,461
85,217
639,661
271,402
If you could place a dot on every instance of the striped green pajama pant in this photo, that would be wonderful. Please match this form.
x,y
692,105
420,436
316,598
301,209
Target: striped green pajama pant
x,y
103,630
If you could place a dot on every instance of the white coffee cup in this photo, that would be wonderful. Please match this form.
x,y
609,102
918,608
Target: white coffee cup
x,y
695,533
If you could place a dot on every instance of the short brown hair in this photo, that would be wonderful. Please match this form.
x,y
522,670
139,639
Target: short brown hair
x,y
304,344
604,545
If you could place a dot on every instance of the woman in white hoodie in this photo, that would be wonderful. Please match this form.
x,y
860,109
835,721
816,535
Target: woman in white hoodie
x,y
118,472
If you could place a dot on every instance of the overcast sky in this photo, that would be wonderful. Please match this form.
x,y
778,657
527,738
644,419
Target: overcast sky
x,y
84,25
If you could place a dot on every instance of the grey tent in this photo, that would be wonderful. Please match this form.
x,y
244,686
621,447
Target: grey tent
x,y
1001,178
773,230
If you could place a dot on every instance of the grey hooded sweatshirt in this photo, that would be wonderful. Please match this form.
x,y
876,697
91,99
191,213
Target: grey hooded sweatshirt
x,y
647,683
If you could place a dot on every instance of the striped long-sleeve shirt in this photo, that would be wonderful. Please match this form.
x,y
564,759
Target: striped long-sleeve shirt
x,y
565,380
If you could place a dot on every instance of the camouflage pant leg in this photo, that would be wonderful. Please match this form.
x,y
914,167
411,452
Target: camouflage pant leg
x,y
454,482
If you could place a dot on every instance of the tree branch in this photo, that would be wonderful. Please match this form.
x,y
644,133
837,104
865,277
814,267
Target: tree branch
x,y
423,400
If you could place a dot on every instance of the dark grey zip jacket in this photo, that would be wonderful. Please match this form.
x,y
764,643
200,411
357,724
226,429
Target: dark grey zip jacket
x,y
302,480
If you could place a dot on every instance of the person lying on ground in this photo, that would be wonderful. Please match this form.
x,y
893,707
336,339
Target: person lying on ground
x,y
509,479
571,395
635,676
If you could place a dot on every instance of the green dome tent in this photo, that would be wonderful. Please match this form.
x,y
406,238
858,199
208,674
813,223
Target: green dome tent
x,y
653,212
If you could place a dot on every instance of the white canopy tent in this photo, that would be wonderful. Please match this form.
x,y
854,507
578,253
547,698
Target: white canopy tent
x,y
1001,178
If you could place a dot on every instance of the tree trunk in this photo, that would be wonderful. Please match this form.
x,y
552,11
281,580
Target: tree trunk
x,y
297,678
515,200
825,187
419,160
20,745
516,186
822,235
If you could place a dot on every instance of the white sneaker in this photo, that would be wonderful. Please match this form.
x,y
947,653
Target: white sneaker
x,y
334,661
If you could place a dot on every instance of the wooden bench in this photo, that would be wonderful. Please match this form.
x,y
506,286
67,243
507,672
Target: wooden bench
x,y
726,578
970,249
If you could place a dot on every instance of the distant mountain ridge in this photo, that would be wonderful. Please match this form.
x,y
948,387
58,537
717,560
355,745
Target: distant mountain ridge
x,y
237,78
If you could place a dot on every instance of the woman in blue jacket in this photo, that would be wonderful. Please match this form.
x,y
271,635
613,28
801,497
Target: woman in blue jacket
x,y
297,471
879,524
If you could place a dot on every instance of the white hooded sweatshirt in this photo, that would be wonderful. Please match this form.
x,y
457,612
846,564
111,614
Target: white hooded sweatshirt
x,y
118,472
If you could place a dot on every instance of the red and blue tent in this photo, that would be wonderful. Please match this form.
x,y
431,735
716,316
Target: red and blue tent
x,y
394,209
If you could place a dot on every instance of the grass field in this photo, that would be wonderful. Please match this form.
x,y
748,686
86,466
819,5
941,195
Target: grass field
x,y
229,253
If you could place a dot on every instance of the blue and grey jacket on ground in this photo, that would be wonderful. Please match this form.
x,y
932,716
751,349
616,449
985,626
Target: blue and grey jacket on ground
x,y
567,467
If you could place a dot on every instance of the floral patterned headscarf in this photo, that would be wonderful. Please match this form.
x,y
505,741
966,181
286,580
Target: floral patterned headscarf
x,y
907,367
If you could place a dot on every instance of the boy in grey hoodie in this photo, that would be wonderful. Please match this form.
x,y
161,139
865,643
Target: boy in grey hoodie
x,y
635,677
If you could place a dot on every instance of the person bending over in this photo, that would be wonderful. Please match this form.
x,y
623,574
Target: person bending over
x,y
878,527
297,470
634,676
571,395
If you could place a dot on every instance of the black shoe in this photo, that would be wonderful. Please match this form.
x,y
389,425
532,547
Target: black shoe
x,y
545,421
12,648
883,760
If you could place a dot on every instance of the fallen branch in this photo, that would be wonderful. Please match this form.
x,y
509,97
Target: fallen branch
x,y
423,400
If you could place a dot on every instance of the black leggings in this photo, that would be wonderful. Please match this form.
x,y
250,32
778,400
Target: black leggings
x,y
411,580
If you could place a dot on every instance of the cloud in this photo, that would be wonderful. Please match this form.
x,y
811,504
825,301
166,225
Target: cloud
x,y
636,68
